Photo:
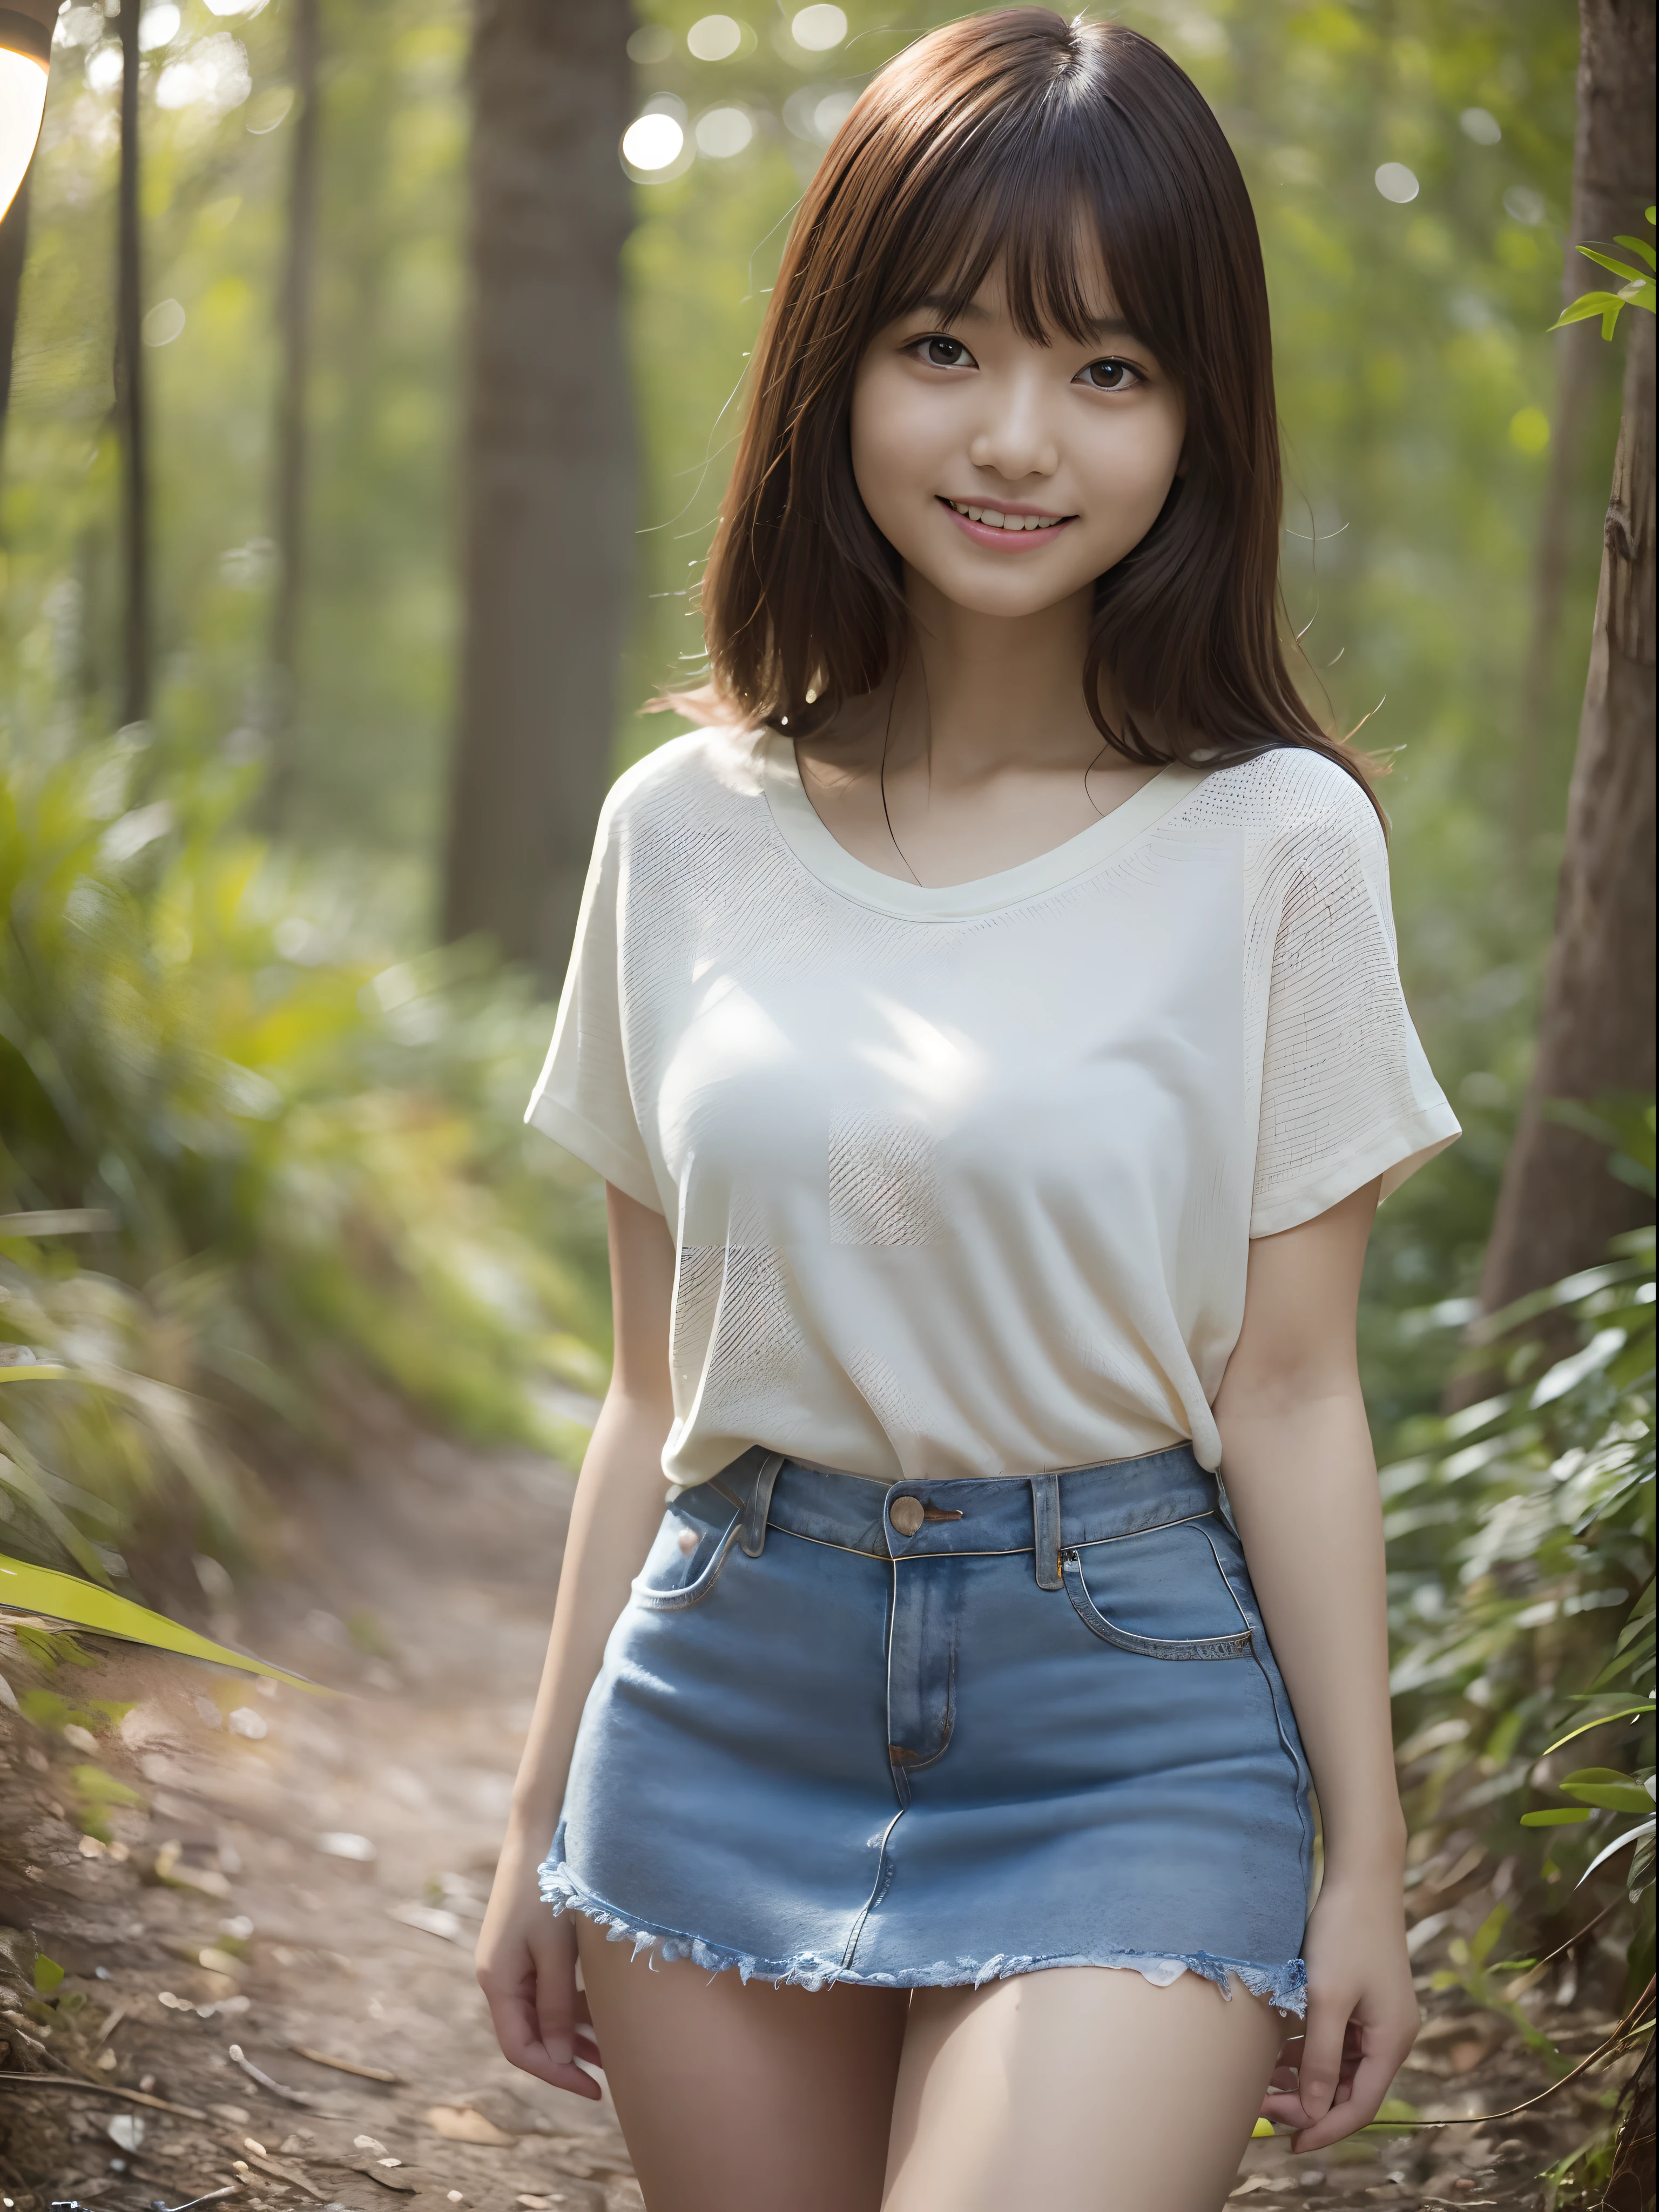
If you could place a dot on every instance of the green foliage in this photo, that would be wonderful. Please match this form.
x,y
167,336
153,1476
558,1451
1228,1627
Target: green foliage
x,y
1636,292
280,1162
1520,1534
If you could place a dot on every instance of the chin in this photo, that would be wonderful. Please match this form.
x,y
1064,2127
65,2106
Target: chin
x,y
1008,597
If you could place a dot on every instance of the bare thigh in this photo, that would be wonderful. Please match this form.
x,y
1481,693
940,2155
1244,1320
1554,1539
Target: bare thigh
x,y
737,2099
1081,2089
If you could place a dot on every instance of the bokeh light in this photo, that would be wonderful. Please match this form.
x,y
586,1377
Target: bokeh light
x,y
162,323
653,142
1395,182
818,30
723,132
714,38
23,101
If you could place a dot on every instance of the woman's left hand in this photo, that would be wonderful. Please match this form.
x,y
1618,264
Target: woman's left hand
x,y
1334,2073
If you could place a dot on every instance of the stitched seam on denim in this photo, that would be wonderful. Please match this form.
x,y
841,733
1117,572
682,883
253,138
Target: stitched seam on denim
x,y
896,1558
1150,1647
849,1949
692,1592
918,1763
1127,1535
1296,1765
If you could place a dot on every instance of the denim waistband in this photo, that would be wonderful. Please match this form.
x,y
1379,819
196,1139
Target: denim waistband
x,y
1043,1514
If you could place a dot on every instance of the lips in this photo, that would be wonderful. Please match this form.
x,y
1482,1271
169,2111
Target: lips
x,y
1004,530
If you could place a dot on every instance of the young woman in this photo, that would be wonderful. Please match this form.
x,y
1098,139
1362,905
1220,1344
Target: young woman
x,y
988,1028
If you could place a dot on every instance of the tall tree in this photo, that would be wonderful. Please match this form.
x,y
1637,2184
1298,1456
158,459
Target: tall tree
x,y
547,470
129,394
1559,1205
13,252
1611,182
289,503
29,31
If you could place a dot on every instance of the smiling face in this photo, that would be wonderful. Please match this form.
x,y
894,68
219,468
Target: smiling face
x,y
1007,472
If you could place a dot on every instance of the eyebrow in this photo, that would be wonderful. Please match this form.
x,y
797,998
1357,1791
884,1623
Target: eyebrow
x,y
1099,327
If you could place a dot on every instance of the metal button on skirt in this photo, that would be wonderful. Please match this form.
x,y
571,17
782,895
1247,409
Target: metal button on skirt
x,y
937,1733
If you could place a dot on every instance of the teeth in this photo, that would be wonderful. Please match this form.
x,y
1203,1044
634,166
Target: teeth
x,y
995,520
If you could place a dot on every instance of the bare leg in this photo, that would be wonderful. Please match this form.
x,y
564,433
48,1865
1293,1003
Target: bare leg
x,y
769,2101
1081,2089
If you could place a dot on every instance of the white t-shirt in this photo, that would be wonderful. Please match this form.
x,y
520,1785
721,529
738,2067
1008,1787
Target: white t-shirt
x,y
962,1181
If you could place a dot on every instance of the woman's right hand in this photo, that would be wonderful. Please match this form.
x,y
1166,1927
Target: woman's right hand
x,y
527,1968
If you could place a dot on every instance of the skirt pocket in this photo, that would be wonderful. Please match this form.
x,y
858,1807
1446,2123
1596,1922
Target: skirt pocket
x,y
687,1552
1160,1593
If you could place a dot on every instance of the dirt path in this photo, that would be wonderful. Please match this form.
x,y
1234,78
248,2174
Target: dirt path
x,y
443,1566
321,1866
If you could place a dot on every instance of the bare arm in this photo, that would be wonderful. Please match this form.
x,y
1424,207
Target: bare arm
x,y
525,1959
1300,1475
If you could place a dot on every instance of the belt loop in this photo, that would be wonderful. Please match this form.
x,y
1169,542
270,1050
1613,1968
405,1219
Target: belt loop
x,y
752,1533
1045,1521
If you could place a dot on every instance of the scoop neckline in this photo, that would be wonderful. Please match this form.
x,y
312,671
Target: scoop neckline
x,y
824,856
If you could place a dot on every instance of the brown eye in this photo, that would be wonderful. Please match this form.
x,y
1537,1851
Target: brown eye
x,y
1110,375
944,353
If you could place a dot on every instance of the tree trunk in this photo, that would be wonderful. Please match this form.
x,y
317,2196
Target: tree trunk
x,y
1559,1205
31,34
13,252
1612,183
129,396
547,480
289,519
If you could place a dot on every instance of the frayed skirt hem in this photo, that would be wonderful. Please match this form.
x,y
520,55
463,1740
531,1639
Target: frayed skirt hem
x,y
1284,1987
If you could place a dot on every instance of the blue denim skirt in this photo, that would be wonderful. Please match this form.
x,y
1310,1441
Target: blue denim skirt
x,y
932,1734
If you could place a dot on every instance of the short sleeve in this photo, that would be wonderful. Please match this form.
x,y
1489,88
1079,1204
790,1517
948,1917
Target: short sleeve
x,y
1347,1095
583,1100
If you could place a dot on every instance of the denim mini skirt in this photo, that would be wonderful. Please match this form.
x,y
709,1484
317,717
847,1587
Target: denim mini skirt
x,y
934,1734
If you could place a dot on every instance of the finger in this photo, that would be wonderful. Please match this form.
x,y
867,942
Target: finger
x,y
1323,2042
1357,2107
563,2019
523,2045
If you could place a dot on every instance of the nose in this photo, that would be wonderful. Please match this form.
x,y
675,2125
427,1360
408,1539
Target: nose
x,y
1015,438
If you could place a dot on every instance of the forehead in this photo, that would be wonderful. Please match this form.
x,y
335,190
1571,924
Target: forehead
x,y
1098,318
1047,272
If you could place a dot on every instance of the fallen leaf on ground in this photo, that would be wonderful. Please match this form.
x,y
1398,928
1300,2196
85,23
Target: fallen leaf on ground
x,y
431,1920
340,1843
399,2180
462,2123
344,2065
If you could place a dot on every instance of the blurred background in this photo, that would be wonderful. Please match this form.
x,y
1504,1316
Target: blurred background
x,y
370,370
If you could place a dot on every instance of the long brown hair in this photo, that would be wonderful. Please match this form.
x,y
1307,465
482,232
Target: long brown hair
x,y
983,144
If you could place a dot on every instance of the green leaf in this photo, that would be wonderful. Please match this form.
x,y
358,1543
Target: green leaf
x,y
47,1974
1392,2112
1611,1796
1591,304
94,1787
1558,1816
1637,245
1624,1713
1487,1934
42,1589
1605,261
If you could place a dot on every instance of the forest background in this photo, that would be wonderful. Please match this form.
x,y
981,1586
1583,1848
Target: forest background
x,y
263,1076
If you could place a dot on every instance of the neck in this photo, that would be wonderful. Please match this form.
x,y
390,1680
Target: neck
x,y
980,693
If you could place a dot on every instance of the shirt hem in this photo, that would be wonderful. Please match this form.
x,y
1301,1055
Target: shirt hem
x,y
1394,1154
594,1148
